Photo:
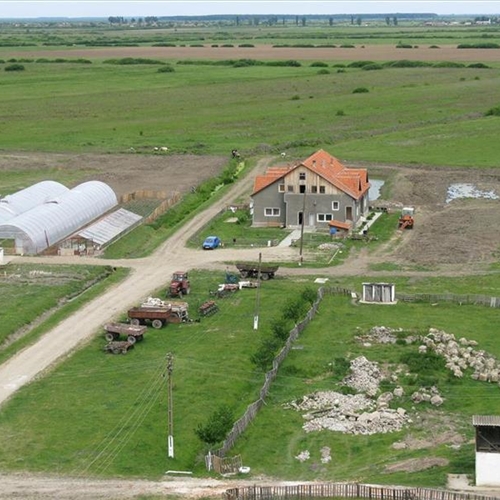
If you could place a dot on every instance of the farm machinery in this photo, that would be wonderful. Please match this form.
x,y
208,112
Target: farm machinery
x,y
158,313
179,285
251,270
406,219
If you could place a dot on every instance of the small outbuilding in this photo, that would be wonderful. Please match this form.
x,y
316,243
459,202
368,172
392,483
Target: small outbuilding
x,y
379,293
487,449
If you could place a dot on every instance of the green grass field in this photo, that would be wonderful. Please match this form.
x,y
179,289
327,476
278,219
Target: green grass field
x,y
104,415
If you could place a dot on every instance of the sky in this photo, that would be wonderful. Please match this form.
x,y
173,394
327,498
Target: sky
x,y
141,8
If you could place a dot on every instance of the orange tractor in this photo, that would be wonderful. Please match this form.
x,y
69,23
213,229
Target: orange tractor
x,y
406,219
179,285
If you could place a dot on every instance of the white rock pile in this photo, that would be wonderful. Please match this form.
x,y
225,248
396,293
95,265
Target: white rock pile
x,y
365,376
461,355
379,335
351,414
430,395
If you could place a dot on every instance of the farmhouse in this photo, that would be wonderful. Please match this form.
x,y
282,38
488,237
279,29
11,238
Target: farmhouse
x,y
318,192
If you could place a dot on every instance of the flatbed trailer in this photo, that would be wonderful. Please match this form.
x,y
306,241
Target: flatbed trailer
x,y
134,333
157,316
252,270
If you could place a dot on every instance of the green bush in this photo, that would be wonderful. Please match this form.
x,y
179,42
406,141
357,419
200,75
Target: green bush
x,y
359,64
163,44
340,112
132,60
166,69
404,46
291,62
434,47
371,67
319,64
405,63
488,45
323,71
217,426
246,45
493,111
479,66
347,46
360,90
449,64
14,67
263,357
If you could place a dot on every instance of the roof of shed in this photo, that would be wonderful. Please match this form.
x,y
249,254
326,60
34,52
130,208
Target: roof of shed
x,y
486,420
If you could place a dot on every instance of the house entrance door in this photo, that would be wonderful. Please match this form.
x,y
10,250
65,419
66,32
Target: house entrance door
x,y
348,213
300,218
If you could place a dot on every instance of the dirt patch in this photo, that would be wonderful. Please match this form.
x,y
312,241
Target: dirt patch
x,y
416,464
365,53
125,173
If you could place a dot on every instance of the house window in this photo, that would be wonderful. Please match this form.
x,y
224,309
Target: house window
x,y
290,188
271,212
302,176
314,189
281,188
322,189
324,217
335,205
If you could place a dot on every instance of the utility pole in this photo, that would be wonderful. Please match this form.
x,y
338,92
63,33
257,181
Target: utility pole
x,y
302,227
257,297
170,406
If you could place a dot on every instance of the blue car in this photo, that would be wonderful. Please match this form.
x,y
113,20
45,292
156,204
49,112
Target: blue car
x,y
211,243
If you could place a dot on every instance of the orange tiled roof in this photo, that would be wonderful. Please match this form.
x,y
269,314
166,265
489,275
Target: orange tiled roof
x,y
353,181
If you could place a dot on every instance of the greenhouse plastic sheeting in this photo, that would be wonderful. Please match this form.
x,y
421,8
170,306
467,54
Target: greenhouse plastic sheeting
x,y
17,203
45,225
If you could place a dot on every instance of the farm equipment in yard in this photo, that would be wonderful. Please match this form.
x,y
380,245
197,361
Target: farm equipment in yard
x,y
179,285
158,313
250,270
208,308
133,333
406,219
118,347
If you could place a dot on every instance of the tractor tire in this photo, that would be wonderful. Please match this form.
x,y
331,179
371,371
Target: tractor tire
x,y
187,291
157,323
135,321
131,339
109,337
264,276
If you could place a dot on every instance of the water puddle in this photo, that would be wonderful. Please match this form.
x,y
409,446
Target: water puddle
x,y
462,190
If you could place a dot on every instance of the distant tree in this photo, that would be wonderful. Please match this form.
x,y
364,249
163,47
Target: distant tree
x,y
303,21
352,19
330,21
395,21
237,20
359,20
132,20
256,21
387,20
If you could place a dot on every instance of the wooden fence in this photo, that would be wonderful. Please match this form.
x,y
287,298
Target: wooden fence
x,y
252,409
434,298
346,490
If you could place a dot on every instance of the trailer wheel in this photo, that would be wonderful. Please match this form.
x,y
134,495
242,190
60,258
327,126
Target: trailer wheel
x,y
135,321
131,339
264,276
109,337
245,274
116,350
157,323
140,337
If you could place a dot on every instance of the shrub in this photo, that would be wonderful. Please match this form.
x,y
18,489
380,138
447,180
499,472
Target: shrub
x,y
449,64
359,64
323,71
434,47
246,45
166,69
479,65
309,295
196,45
405,63
227,45
2,61
319,64
14,67
404,46
295,97
360,90
163,44
340,70
340,112
339,65
294,309
374,66
263,357
347,46
217,426
291,62
280,329
488,45
493,111
132,60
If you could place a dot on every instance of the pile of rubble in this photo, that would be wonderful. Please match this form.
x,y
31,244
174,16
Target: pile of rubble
x,y
379,335
461,355
351,414
431,396
330,246
365,376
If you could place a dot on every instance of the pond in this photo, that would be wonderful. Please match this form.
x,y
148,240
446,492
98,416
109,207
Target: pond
x,y
462,190
375,187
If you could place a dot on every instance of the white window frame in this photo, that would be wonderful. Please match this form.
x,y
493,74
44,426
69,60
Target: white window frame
x,y
335,206
272,212
281,188
324,217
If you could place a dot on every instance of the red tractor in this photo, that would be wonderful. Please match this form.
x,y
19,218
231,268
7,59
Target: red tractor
x,y
179,285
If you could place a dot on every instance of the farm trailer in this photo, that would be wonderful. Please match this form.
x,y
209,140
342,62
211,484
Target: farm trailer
x,y
250,270
134,333
159,315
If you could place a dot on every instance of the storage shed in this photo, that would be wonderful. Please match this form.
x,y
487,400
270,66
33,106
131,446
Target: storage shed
x,y
487,449
59,216
379,293
19,202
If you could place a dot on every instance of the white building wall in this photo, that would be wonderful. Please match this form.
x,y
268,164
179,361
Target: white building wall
x,y
487,469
